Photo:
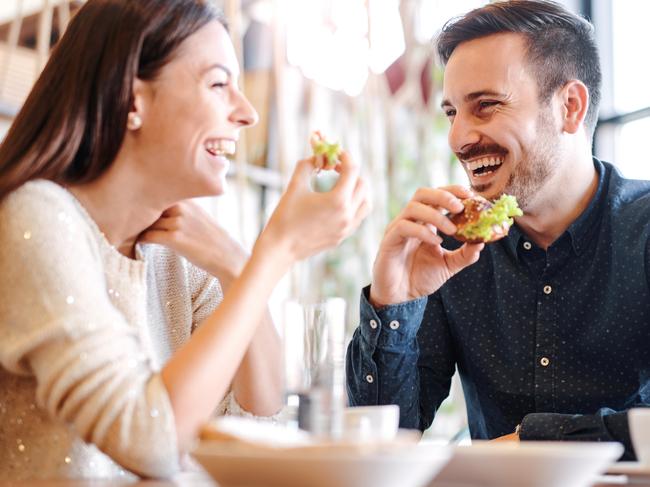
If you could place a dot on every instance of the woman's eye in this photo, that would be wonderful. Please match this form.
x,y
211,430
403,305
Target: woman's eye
x,y
450,113
219,84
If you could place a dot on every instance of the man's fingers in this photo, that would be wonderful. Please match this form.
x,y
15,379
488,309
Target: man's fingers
x,y
439,198
466,255
459,191
404,229
420,212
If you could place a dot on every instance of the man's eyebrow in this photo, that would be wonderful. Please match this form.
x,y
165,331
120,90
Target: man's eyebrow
x,y
473,96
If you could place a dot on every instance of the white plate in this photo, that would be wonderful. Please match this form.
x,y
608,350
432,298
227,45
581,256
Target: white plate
x,y
232,464
629,468
527,464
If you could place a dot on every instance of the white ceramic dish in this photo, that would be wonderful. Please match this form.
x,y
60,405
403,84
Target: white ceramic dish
x,y
527,464
238,465
633,469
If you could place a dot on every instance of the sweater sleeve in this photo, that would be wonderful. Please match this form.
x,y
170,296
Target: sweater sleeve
x,y
59,326
206,294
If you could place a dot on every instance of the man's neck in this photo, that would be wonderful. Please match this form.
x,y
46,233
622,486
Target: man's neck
x,y
563,200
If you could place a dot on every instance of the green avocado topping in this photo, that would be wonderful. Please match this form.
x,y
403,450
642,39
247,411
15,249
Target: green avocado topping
x,y
332,152
501,213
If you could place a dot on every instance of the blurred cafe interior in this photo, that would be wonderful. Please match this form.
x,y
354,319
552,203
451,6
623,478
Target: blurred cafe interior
x,y
365,74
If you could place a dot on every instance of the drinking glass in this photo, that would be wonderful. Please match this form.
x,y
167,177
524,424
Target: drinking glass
x,y
314,364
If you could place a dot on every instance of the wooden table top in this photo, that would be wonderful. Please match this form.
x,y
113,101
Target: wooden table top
x,y
197,479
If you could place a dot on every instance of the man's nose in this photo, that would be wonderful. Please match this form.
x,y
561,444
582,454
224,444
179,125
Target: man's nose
x,y
462,133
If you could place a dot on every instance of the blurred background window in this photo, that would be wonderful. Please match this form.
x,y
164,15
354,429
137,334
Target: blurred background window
x,y
625,109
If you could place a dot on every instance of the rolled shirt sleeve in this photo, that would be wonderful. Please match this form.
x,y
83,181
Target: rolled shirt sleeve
x,y
384,364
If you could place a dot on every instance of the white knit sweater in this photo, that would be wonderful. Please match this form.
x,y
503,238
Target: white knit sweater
x,y
84,332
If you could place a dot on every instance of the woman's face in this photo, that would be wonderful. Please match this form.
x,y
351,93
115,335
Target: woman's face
x,y
192,114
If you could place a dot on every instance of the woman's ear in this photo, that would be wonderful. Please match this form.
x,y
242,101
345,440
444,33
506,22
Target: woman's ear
x,y
136,115
575,103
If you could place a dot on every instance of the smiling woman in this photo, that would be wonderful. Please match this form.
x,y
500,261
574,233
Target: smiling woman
x,y
128,315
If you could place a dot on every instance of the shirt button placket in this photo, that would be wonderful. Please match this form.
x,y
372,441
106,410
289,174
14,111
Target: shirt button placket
x,y
544,375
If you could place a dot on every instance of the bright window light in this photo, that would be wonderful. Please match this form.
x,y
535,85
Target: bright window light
x,y
630,36
332,43
433,14
631,150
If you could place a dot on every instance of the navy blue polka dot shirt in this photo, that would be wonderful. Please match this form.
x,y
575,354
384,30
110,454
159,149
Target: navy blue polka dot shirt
x,y
557,341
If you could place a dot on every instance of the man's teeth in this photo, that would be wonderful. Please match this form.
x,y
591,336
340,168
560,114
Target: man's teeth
x,y
484,162
220,147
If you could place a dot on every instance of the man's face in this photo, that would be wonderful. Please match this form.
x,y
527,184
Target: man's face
x,y
501,133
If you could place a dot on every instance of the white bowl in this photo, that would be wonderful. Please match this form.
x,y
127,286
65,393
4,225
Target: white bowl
x,y
327,466
371,423
639,421
527,464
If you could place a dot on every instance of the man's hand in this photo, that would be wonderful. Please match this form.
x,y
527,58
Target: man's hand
x,y
192,232
411,262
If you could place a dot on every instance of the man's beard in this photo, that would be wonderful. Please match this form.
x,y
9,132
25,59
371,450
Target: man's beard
x,y
536,166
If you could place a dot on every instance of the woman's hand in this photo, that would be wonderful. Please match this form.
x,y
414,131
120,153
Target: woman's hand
x,y
192,232
306,222
411,262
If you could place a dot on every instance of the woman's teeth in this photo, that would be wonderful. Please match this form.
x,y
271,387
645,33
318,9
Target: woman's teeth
x,y
220,147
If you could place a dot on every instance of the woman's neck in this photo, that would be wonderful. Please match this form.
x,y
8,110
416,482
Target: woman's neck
x,y
120,208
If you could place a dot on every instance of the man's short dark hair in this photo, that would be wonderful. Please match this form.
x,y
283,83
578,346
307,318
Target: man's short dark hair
x,y
561,45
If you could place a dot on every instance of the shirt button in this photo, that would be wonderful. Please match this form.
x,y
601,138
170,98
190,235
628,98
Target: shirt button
x,y
548,289
527,245
544,361
394,325
373,324
370,379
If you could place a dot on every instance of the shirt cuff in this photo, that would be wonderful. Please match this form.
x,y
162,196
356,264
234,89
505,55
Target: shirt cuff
x,y
390,326
543,426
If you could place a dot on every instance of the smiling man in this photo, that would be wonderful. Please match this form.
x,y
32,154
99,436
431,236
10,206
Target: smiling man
x,y
549,326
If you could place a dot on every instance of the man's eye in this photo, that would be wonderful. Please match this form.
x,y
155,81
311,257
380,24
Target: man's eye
x,y
219,85
450,113
487,104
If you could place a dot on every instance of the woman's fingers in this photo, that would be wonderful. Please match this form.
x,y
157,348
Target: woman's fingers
x,y
348,176
152,235
361,213
301,174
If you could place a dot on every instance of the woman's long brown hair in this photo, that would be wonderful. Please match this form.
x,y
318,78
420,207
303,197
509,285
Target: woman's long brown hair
x,y
73,122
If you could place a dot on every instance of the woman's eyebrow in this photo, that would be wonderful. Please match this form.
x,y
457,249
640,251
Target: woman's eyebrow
x,y
217,66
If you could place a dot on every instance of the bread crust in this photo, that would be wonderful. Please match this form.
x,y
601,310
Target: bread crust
x,y
473,207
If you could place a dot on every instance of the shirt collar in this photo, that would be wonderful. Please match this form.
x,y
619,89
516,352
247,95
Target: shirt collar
x,y
581,229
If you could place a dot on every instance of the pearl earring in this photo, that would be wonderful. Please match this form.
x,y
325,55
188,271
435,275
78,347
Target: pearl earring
x,y
134,121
